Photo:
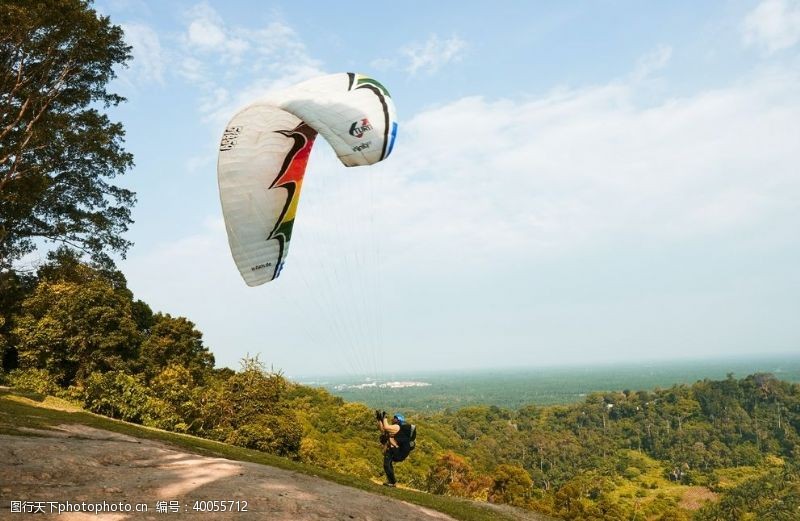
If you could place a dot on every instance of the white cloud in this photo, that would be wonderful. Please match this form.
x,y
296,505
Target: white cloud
x,y
652,62
216,55
431,55
206,32
193,69
585,168
231,66
773,25
149,61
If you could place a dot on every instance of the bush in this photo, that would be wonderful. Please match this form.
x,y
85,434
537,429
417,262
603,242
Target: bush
x,y
281,435
311,451
122,396
631,473
35,380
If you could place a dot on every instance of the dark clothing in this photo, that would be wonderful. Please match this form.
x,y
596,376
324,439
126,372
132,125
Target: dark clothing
x,y
389,457
388,468
403,440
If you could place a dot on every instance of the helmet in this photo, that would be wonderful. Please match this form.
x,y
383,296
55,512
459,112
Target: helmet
x,y
399,417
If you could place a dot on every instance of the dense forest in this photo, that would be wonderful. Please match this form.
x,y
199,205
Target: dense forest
x,y
724,449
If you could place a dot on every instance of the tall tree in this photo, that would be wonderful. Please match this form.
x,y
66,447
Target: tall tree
x,y
511,485
73,329
58,152
174,340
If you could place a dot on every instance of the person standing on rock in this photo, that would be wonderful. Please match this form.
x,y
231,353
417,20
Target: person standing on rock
x,y
398,439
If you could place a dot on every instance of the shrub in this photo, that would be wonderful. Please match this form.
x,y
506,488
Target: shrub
x,y
279,435
122,396
35,380
632,473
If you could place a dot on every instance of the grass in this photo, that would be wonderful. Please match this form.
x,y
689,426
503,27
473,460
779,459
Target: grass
x,y
20,411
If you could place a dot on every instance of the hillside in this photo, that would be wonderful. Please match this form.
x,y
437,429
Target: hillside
x,y
700,451
53,452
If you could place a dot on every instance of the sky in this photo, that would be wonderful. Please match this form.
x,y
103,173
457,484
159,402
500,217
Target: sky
x,y
573,182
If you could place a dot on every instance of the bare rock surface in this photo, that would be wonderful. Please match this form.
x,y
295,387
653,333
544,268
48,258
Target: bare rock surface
x,y
78,464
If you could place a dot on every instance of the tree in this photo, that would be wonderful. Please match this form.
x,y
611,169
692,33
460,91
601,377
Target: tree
x,y
74,329
250,409
511,485
63,268
774,495
123,396
174,340
65,265
177,388
58,152
454,476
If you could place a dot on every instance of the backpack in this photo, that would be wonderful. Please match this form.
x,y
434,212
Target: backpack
x,y
406,440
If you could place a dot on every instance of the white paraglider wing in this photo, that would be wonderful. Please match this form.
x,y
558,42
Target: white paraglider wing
x,y
264,152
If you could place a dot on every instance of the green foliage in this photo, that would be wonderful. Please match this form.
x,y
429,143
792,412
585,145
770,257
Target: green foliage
x,y
511,485
454,476
276,434
40,381
58,152
66,265
143,316
74,329
171,341
249,409
586,496
774,495
177,389
673,514
122,396
75,318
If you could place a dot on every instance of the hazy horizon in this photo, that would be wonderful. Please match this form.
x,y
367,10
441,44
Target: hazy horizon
x,y
518,387
699,363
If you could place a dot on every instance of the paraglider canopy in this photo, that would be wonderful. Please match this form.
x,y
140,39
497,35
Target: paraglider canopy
x,y
265,149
